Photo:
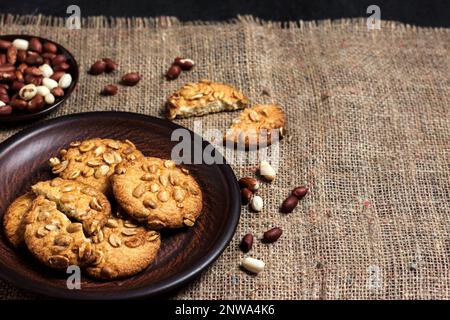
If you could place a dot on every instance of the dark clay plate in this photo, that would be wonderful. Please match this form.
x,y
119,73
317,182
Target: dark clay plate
x,y
184,252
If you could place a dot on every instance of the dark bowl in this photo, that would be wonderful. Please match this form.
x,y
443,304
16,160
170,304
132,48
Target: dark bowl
x,y
24,116
184,252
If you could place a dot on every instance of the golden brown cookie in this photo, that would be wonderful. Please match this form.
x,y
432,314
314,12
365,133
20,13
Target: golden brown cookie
x,y
123,249
158,192
53,239
198,99
256,124
94,161
78,201
13,222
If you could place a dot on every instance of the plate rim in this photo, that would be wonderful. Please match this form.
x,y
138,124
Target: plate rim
x,y
167,285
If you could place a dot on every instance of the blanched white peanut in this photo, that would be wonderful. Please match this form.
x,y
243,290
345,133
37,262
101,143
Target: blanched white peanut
x,y
266,170
20,44
253,265
2,104
49,98
256,203
42,90
65,81
28,92
49,83
47,71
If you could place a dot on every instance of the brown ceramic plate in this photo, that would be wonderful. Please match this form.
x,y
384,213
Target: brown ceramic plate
x,y
24,116
184,253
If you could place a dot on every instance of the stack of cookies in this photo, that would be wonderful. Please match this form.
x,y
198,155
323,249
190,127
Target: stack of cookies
x,y
69,220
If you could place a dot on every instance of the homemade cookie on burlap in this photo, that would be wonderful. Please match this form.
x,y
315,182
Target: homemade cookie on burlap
x,y
158,192
198,99
53,239
94,161
13,220
255,126
78,201
123,249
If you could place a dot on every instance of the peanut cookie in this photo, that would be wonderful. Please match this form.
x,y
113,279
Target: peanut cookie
x,y
53,239
78,201
123,249
255,125
198,99
13,221
94,161
158,192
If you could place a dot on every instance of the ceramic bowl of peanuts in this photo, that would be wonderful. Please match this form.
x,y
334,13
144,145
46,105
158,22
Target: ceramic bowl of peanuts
x,y
36,77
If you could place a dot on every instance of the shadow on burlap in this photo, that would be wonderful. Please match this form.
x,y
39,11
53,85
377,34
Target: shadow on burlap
x,y
368,132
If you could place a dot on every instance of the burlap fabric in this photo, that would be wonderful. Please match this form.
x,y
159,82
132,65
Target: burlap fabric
x,y
369,132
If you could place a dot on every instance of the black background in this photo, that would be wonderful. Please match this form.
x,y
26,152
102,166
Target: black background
x,y
434,13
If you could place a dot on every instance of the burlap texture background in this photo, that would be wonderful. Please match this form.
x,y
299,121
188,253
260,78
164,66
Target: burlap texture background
x,y
368,131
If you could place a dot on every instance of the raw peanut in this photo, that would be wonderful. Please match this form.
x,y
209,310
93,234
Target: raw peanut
x,y
34,59
185,64
272,235
57,92
22,67
34,71
246,195
17,85
50,83
46,70
256,203
7,76
2,58
35,45
32,79
11,55
28,92
98,68
246,243
63,66
36,103
20,44
18,103
21,55
300,192
49,98
249,183
266,170
110,65
19,76
4,98
58,59
5,109
131,79
50,47
289,204
253,265
65,81
173,72
7,67
110,90
42,90
5,44
57,75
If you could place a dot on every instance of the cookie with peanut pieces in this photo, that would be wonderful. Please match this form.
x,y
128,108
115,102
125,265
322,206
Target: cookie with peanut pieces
x,y
198,99
159,193
123,249
94,161
78,201
260,125
53,239
13,220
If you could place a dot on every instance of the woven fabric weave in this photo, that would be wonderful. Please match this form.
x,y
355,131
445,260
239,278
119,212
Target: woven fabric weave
x,y
368,132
